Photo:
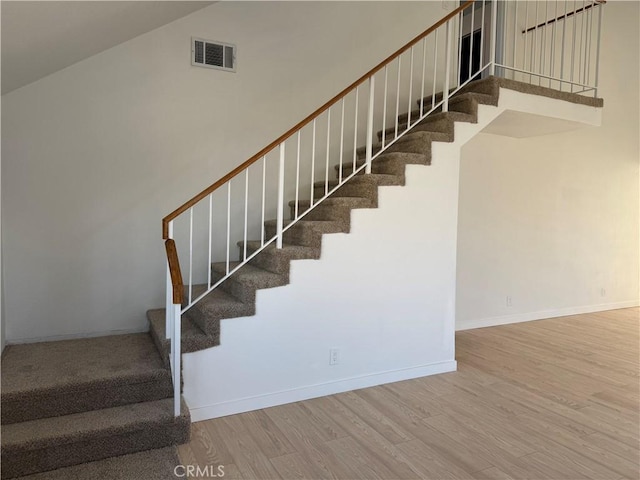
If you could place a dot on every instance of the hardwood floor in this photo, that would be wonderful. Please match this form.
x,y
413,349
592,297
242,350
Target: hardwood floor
x,y
555,398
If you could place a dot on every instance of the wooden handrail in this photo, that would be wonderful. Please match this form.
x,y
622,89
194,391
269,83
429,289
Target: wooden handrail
x,y
566,15
174,270
240,168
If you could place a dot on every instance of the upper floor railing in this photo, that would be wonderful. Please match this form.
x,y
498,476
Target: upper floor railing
x,y
554,43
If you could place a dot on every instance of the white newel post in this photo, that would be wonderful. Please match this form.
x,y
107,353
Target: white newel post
x,y
175,354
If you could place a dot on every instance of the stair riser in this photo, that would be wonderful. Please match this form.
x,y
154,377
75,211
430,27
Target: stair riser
x,y
340,213
483,92
438,126
391,167
273,262
468,105
361,190
486,87
412,146
376,167
21,462
413,143
161,343
427,125
439,122
243,291
208,324
301,235
52,405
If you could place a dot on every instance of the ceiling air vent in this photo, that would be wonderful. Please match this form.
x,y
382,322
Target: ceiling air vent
x,y
212,54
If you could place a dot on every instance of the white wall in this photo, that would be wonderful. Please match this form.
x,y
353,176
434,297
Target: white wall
x,y
383,294
552,221
96,154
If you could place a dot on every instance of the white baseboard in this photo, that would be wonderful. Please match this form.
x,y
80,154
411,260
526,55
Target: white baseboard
x,y
313,391
541,315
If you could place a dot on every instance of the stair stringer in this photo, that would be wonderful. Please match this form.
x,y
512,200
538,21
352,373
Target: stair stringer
x,y
383,294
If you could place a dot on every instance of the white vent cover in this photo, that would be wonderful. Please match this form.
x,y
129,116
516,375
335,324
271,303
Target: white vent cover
x,y
212,54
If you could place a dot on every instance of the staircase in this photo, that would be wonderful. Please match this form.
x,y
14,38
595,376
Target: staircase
x,y
111,407
235,296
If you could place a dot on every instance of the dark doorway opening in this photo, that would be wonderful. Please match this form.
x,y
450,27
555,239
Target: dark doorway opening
x,y
467,54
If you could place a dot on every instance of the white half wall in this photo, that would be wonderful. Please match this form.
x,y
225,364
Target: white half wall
x,y
551,222
96,154
384,295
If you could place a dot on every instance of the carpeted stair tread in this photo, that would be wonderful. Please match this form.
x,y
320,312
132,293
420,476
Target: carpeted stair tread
x,y
244,282
69,376
460,97
320,226
80,426
351,202
407,138
278,260
433,123
450,116
157,464
293,252
222,300
37,366
308,232
377,179
334,207
192,337
250,275
391,163
51,443
215,306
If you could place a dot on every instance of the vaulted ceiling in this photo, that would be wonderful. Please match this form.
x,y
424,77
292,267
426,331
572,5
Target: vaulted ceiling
x,y
40,38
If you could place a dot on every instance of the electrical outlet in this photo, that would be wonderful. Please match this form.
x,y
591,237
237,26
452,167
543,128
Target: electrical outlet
x,y
334,356
508,301
603,292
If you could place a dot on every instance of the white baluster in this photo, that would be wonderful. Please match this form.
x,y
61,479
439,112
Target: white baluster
x,y
280,219
210,234
369,145
228,223
264,178
246,211
494,33
447,68
326,167
298,176
190,254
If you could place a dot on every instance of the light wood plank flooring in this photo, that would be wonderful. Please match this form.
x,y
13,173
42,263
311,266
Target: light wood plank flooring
x,y
555,398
